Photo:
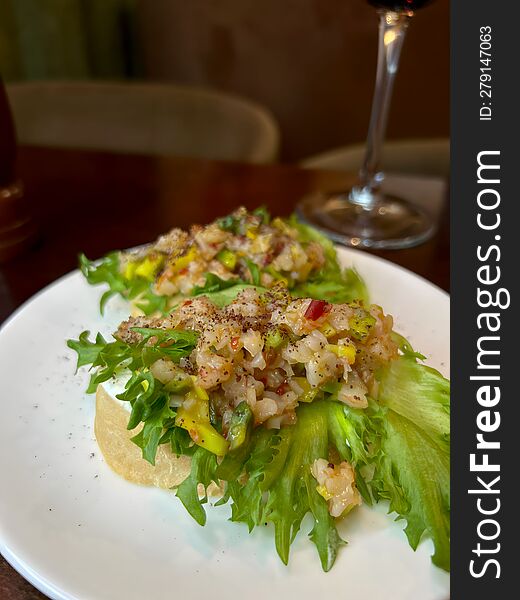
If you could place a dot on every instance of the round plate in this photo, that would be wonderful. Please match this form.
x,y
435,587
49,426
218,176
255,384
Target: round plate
x,y
76,530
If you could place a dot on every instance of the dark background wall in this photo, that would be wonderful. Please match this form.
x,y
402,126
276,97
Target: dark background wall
x,y
312,62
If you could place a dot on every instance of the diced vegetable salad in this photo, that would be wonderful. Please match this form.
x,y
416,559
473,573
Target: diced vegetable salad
x,y
242,248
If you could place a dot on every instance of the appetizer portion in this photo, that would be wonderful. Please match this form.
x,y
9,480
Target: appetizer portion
x,y
241,248
286,405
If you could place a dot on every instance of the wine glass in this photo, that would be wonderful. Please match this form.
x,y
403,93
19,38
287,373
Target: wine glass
x,y
364,216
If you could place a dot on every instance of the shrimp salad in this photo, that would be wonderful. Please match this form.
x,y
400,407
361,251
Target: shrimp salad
x,y
290,405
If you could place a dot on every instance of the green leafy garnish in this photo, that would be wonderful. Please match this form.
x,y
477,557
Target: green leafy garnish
x,y
86,350
405,347
107,270
345,286
414,469
148,397
203,466
280,488
356,435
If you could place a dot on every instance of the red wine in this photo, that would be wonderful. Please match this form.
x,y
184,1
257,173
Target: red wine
x,y
399,5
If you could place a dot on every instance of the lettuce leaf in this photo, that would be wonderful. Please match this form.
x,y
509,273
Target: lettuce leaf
x,y
294,493
356,435
420,394
280,488
263,466
417,478
108,358
414,470
346,286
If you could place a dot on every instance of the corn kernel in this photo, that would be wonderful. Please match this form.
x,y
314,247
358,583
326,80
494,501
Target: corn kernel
x,y
252,233
183,261
148,267
129,270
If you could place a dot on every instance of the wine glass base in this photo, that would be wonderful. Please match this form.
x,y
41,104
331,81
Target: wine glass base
x,y
391,223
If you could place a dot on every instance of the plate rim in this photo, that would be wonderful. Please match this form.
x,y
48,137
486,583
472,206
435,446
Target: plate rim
x,y
375,258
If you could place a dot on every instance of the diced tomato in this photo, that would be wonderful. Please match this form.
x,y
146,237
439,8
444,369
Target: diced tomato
x,y
283,388
268,258
316,309
234,342
279,247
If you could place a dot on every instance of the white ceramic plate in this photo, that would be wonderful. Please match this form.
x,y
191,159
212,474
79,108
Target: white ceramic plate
x,y
77,531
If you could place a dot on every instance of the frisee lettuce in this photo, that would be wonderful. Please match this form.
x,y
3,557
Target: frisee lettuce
x,y
280,488
107,271
356,435
414,469
147,396
293,493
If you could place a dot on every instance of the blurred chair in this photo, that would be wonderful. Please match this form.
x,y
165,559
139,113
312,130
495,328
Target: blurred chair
x,y
143,118
429,157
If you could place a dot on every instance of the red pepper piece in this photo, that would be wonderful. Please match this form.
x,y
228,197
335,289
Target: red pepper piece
x,y
316,309
283,388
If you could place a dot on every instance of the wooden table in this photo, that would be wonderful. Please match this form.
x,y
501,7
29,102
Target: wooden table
x,y
94,202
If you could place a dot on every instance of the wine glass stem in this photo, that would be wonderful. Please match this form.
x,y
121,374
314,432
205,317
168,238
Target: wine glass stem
x,y
392,30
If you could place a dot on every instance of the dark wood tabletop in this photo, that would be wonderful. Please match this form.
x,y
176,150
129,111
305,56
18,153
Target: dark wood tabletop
x,y
93,202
